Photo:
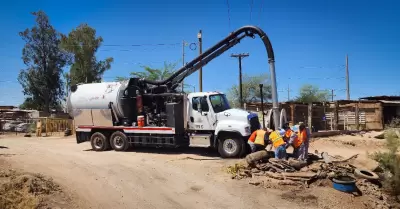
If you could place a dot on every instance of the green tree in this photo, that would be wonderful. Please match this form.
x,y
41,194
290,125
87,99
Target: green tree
x,y
83,44
309,93
250,90
153,73
41,80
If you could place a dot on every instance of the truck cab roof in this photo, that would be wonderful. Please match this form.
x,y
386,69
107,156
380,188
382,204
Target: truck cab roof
x,y
205,93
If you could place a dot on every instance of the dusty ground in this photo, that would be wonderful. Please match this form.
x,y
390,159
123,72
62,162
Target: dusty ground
x,y
154,178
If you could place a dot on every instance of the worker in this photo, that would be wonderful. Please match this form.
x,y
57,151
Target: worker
x,y
257,140
301,143
290,135
276,139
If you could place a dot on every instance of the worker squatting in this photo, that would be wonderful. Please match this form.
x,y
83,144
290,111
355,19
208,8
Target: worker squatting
x,y
297,136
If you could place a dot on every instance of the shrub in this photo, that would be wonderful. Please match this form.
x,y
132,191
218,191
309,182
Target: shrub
x,y
394,123
390,162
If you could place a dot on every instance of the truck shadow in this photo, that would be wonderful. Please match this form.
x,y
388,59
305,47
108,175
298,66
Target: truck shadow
x,y
200,151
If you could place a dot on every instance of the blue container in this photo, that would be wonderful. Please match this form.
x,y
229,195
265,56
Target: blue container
x,y
345,184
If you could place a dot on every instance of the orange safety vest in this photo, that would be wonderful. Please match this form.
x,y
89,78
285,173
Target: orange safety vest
x,y
288,133
260,137
276,139
300,138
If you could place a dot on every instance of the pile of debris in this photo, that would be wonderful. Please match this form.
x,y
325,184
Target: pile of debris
x,y
318,167
320,170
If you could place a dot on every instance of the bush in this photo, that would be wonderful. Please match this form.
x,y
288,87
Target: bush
x,y
390,162
394,123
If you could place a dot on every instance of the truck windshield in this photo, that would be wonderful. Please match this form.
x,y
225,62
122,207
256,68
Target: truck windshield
x,y
219,102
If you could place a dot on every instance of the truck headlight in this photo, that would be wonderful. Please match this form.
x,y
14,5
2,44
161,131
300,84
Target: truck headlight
x,y
247,129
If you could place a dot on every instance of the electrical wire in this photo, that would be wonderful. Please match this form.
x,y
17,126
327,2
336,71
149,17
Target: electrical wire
x,y
229,15
251,8
133,45
261,10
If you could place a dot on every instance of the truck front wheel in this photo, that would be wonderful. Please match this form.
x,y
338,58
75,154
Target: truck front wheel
x,y
230,146
119,141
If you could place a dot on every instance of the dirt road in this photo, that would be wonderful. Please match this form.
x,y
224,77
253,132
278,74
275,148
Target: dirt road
x,y
146,178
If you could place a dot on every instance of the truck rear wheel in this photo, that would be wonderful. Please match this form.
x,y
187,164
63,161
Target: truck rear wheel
x,y
230,146
119,141
99,142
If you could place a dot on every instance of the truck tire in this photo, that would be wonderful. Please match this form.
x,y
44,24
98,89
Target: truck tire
x,y
99,142
230,146
119,141
366,174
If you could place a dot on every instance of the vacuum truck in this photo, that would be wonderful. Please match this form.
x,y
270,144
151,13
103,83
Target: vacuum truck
x,y
141,112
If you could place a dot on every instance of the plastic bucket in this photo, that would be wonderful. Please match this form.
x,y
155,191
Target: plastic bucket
x,y
140,120
345,184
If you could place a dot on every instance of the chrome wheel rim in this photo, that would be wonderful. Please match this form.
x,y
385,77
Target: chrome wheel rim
x,y
230,146
118,142
98,142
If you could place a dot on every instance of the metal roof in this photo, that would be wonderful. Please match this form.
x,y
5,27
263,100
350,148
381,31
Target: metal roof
x,y
383,97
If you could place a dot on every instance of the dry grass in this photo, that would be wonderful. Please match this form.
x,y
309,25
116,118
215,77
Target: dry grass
x,y
24,190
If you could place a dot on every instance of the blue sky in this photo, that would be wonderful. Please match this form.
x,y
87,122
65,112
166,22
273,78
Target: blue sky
x,y
310,40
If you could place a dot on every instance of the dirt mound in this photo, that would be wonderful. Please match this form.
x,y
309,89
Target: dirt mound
x,y
25,190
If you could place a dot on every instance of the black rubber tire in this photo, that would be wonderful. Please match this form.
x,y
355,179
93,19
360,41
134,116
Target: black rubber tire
x,y
239,144
124,141
365,174
99,142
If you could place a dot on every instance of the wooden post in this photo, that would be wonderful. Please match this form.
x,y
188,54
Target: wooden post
x,y
379,116
292,107
47,126
336,116
357,117
310,110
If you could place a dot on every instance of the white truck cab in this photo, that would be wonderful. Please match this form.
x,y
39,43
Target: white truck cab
x,y
229,129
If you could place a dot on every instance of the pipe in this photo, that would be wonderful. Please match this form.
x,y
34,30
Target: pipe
x,y
248,31
262,104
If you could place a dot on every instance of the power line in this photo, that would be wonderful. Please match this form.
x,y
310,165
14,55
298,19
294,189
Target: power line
x,y
261,9
134,45
251,8
229,15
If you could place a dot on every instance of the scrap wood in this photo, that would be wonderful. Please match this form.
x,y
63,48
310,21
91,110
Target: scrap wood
x,y
282,177
345,160
301,174
289,182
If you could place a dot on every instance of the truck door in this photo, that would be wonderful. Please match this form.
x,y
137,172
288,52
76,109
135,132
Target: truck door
x,y
200,114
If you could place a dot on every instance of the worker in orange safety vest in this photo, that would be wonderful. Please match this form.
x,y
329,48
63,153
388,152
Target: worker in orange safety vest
x,y
257,140
290,135
301,143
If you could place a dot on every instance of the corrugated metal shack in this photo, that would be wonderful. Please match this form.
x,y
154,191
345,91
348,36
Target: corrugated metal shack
x,y
372,113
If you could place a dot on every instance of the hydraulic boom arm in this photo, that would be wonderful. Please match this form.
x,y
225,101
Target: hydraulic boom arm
x,y
234,38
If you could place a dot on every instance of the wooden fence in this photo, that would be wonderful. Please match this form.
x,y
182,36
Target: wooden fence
x,y
339,115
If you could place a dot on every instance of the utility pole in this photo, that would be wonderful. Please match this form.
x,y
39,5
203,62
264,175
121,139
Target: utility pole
x,y
183,60
347,78
332,94
240,56
288,94
199,36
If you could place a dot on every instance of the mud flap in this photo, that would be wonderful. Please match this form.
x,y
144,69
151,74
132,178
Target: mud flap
x,y
82,137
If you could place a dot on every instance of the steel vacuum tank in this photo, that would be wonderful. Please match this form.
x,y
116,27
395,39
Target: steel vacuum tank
x,y
100,95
